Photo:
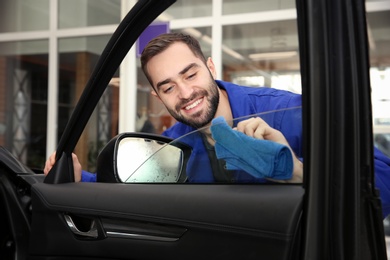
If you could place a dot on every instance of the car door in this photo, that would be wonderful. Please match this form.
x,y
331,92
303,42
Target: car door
x,y
342,206
335,214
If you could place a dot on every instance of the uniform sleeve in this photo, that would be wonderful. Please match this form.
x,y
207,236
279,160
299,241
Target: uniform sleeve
x,y
88,176
291,125
382,179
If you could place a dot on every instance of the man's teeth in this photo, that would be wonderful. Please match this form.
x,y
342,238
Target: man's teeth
x,y
193,104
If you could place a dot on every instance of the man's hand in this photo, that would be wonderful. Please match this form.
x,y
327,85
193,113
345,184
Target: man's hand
x,y
76,166
259,129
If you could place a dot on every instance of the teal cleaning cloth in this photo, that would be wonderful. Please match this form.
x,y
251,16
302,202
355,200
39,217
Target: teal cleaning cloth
x,y
260,158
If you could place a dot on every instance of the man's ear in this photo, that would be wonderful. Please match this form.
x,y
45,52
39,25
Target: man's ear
x,y
211,67
154,93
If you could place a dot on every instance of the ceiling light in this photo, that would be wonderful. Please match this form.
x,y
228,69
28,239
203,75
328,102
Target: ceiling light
x,y
193,32
232,53
273,55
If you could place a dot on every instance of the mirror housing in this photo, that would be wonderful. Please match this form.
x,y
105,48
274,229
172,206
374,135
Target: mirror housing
x,y
142,158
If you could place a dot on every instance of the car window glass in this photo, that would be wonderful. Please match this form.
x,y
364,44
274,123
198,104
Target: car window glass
x,y
221,154
378,30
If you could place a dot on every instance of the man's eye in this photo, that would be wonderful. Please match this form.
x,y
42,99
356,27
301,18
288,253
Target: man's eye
x,y
168,89
191,76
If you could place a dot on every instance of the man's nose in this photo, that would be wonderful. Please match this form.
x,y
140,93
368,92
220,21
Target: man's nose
x,y
185,91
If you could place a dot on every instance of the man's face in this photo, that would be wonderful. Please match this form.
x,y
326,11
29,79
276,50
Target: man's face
x,y
185,85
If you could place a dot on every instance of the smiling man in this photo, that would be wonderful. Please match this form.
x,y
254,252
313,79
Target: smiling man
x,y
186,85
185,81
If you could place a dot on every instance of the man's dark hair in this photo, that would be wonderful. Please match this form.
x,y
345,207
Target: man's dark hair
x,y
162,42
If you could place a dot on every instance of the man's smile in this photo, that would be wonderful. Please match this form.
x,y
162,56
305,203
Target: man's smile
x,y
193,105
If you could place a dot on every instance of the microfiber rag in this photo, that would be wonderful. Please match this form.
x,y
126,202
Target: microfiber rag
x,y
260,158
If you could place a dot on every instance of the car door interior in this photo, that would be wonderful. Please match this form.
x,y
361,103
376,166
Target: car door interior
x,y
15,205
175,221
154,221
326,218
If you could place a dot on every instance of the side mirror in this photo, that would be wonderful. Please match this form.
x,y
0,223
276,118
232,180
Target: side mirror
x,y
142,158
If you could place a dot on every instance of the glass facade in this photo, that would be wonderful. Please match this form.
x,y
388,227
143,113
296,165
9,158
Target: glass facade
x,y
189,9
82,13
24,16
48,50
378,28
77,58
249,6
23,84
261,54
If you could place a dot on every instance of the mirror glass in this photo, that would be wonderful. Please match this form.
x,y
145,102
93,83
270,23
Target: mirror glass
x,y
146,160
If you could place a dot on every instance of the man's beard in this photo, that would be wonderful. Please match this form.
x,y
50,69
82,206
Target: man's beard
x,y
198,120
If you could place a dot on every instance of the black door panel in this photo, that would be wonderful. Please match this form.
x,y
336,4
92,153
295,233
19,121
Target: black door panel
x,y
133,224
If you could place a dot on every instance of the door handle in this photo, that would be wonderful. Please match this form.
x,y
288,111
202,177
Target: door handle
x,y
91,233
